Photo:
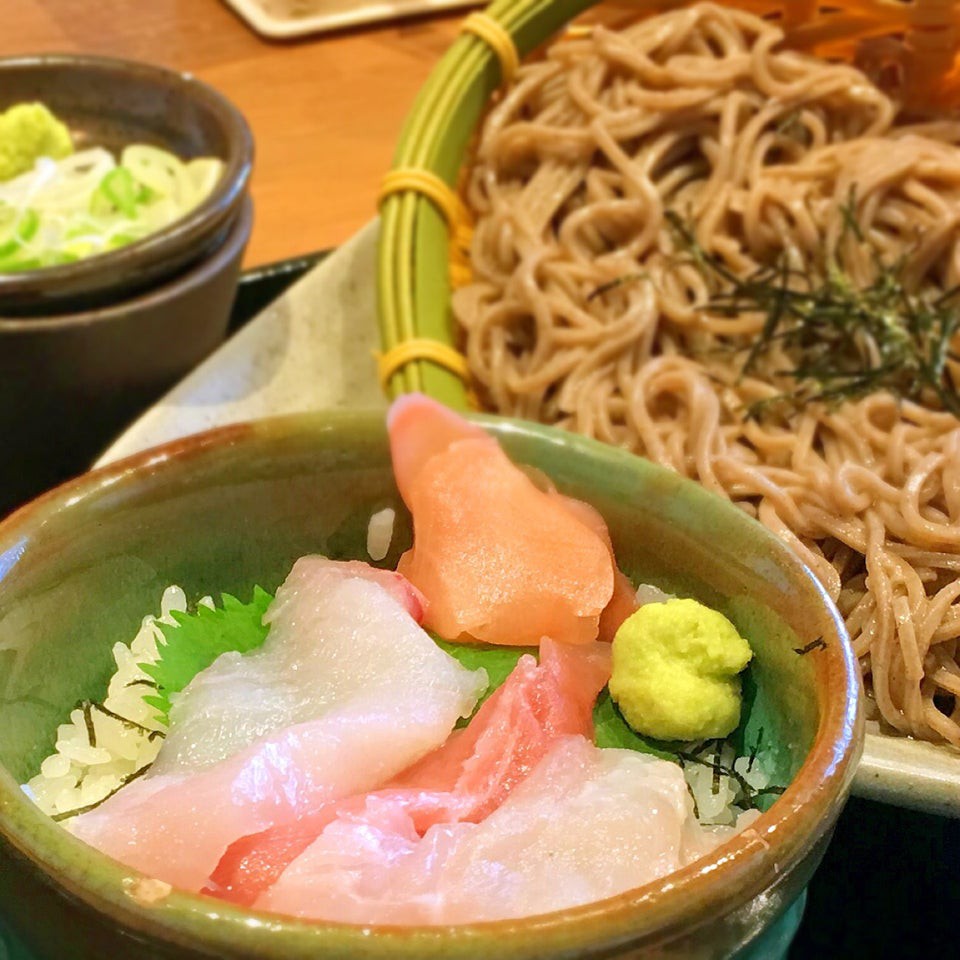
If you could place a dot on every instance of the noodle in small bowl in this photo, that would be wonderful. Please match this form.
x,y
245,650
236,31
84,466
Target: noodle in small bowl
x,y
225,510
725,237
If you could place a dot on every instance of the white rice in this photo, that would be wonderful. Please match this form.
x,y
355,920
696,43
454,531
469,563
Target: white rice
x,y
648,593
80,773
380,533
719,796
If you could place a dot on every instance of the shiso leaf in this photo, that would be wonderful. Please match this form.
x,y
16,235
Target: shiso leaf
x,y
497,661
198,638
611,730
744,742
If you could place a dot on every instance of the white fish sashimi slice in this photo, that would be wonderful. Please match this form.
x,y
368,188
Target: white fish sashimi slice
x,y
342,650
332,640
585,825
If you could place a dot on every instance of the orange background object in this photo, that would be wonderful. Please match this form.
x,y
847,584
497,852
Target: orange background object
x,y
326,111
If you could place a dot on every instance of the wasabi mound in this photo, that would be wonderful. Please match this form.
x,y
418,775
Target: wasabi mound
x,y
29,131
675,671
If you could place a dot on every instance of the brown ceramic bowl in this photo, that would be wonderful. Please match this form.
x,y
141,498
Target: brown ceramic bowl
x,y
113,103
69,383
232,508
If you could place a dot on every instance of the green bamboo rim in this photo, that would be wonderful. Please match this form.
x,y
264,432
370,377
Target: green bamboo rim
x,y
413,274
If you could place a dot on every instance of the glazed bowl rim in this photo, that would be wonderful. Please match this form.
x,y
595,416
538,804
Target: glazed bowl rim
x,y
735,873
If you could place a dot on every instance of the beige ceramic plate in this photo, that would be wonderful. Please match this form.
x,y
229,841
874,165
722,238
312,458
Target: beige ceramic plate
x,y
271,19
313,350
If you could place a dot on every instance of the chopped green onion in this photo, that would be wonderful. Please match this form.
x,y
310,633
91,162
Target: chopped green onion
x,y
121,240
28,226
19,231
119,187
87,203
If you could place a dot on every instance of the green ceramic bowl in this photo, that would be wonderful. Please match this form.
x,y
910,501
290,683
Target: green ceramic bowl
x,y
235,507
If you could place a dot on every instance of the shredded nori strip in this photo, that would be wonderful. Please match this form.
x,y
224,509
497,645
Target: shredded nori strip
x,y
755,750
818,644
127,722
845,341
718,768
773,788
87,707
749,794
67,814
693,796
616,282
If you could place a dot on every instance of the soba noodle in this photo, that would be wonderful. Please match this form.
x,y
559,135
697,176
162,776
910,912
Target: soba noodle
x,y
585,310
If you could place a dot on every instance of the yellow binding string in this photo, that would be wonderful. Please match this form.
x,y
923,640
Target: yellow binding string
x,y
462,236
496,36
431,186
445,199
420,348
460,274
439,193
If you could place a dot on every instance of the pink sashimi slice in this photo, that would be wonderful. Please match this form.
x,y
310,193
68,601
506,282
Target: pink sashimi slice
x,y
346,691
464,780
252,864
623,603
586,824
512,731
499,560
396,584
419,429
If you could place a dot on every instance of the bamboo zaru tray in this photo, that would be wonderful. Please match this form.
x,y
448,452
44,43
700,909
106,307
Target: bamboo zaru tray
x,y
425,231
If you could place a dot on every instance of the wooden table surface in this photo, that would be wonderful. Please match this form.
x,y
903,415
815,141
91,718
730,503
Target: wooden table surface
x,y
325,111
